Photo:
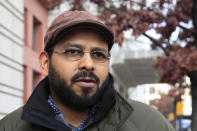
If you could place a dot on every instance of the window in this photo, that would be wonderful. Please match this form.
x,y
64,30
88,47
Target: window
x,y
152,90
35,34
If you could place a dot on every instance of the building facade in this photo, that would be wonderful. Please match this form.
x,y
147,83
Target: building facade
x,y
11,55
35,23
23,24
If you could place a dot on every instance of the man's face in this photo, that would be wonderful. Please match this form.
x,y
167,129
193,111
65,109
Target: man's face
x,y
83,78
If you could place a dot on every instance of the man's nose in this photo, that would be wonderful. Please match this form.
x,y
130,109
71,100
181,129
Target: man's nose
x,y
86,62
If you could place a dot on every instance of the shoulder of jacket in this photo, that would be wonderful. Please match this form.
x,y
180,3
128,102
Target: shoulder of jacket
x,y
142,117
148,118
143,111
11,121
15,115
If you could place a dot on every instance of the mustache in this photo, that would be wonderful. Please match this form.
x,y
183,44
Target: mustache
x,y
85,74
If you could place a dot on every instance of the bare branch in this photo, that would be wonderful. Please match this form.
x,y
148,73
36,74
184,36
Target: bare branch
x,y
189,30
194,15
155,41
138,3
146,35
109,9
194,18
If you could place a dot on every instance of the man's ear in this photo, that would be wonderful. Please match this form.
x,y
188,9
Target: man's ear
x,y
44,63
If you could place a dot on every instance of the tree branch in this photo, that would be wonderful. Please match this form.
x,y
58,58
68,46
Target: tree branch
x,y
146,35
194,18
138,3
155,41
189,30
109,9
194,15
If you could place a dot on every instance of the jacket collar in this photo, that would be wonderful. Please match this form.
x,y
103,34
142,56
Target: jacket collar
x,y
38,111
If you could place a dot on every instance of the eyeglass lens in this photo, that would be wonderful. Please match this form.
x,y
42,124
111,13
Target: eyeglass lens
x,y
76,54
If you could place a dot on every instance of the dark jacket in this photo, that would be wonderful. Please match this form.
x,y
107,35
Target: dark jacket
x,y
114,114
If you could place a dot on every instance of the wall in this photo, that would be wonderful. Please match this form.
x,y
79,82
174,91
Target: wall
x,y
23,24
11,55
35,21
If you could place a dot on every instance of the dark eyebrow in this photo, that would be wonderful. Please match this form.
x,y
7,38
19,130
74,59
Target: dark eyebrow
x,y
100,49
81,47
72,45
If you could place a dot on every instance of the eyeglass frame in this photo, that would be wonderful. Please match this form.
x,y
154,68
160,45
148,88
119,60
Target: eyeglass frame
x,y
81,55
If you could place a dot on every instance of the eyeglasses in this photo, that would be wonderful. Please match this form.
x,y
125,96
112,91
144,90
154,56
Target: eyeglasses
x,y
77,54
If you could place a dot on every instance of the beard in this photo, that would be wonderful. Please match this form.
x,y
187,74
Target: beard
x,y
67,96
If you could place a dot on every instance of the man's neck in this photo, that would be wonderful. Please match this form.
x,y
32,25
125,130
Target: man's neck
x,y
72,116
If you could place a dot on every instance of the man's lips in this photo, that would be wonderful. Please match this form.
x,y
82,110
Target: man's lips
x,y
86,82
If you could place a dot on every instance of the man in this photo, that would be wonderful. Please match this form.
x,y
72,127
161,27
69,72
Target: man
x,y
77,93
